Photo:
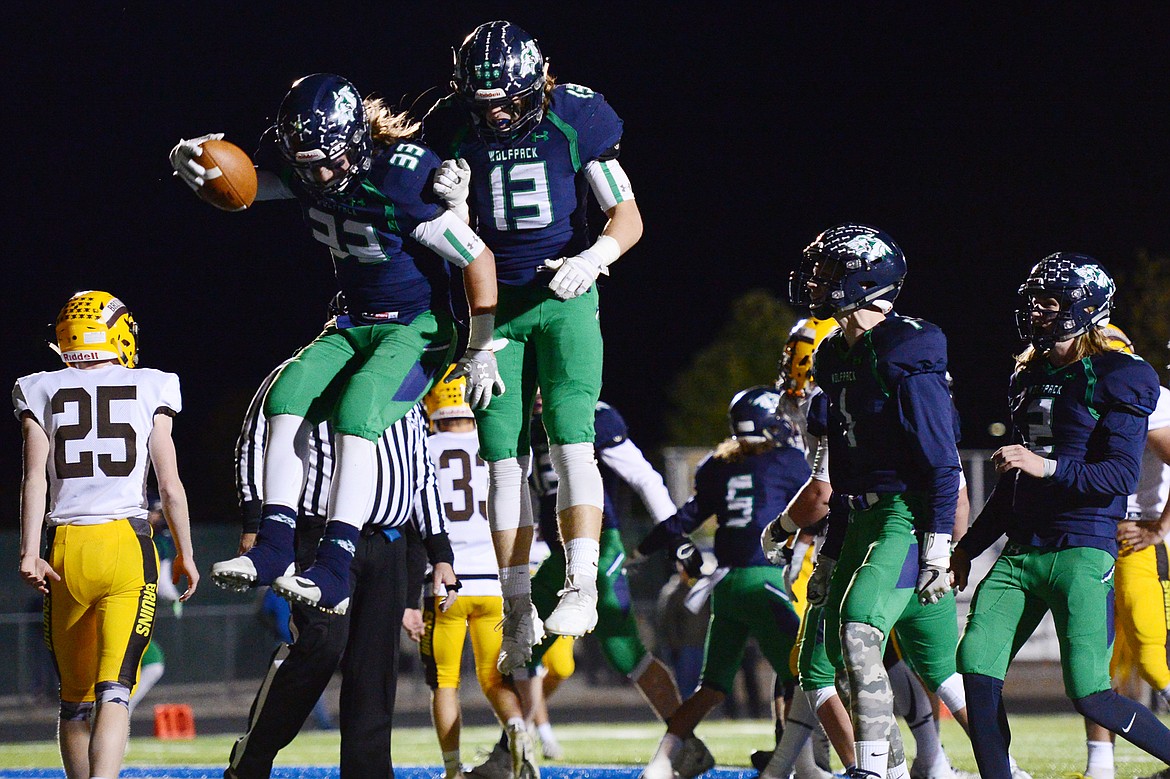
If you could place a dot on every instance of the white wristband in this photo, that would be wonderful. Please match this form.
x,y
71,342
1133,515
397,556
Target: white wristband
x,y
787,523
936,546
1049,468
482,326
604,252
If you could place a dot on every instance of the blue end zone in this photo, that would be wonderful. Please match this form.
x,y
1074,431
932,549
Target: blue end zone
x,y
404,772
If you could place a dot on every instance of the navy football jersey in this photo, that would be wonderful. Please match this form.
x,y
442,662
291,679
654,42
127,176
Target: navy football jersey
x,y
891,422
385,275
743,496
1089,416
528,201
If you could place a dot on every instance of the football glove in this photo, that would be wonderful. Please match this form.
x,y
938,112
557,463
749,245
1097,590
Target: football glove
x,y
483,376
774,542
574,275
183,159
818,582
452,182
933,581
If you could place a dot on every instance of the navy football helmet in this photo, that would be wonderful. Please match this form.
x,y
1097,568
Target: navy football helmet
x,y
755,416
1082,288
500,65
322,132
847,267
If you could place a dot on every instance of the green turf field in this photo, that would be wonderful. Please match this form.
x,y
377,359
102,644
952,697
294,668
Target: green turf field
x,y
1047,746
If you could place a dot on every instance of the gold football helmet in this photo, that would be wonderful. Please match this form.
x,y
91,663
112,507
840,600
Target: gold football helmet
x,y
796,362
446,400
94,326
1117,338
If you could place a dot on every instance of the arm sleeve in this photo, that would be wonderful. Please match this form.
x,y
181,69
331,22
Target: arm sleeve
x,y
628,462
689,516
924,406
449,237
608,182
993,520
250,458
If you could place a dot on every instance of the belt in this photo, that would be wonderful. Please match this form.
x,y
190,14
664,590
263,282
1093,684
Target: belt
x,y
862,502
391,533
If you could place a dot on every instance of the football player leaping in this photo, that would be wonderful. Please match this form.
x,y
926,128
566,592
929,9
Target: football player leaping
x,y
523,152
364,188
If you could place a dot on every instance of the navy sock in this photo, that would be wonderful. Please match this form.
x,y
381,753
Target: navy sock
x,y
987,717
1128,719
278,526
335,552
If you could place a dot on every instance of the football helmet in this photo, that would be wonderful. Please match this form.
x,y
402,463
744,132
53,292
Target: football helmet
x,y
499,64
847,267
755,416
95,326
796,362
322,133
1117,338
446,400
1079,284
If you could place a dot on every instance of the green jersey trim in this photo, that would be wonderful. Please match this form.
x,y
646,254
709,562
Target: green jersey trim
x,y
571,135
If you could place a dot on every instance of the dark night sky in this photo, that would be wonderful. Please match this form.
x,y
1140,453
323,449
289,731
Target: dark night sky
x,y
980,139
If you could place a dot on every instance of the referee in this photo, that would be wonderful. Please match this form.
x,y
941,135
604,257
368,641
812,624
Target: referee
x,y
364,641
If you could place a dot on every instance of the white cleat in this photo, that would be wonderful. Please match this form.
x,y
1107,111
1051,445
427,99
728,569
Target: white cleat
x,y
522,752
693,758
302,590
576,613
522,631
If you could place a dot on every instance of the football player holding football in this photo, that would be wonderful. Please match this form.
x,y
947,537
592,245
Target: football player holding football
x,y
1079,410
364,186
521,155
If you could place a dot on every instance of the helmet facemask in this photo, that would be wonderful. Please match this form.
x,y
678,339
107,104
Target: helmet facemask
x,y
1081,290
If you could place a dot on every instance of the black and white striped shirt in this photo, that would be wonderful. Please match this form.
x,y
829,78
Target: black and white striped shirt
x,y
405,486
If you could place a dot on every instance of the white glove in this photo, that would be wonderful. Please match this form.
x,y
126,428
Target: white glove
x,y
575,275
452,181
795,566
483,376
183,159
933,581
774,542
818,582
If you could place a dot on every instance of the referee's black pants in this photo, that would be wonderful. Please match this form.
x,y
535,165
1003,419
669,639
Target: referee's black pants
x,y
364,642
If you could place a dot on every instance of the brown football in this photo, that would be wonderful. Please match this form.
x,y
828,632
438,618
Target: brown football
x,y
230,182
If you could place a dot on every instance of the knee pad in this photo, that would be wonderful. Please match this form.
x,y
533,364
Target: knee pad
x,y
76,711
952,693
579,481
112,692
506,496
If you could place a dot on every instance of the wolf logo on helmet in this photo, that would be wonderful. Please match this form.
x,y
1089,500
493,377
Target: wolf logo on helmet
x,y
95,325
848,267
1083,290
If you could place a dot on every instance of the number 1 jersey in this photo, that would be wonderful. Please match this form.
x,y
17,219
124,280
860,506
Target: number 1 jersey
x,y
99,422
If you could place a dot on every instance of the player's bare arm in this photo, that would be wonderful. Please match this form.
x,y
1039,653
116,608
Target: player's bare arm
x,y
34,488
174,500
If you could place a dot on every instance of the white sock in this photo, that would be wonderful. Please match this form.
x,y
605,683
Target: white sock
x,y
351,493
545,731
451,763
285,459
798,728
516,722
581,555
515,581
1100,765
898,772
872,756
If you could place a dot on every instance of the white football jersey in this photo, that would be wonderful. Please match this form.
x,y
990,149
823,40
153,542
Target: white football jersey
x,y
1154,481
98,421
463,485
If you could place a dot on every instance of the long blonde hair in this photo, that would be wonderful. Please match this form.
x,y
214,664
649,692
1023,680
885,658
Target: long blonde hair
x,y
734,450
1095,340
386,126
